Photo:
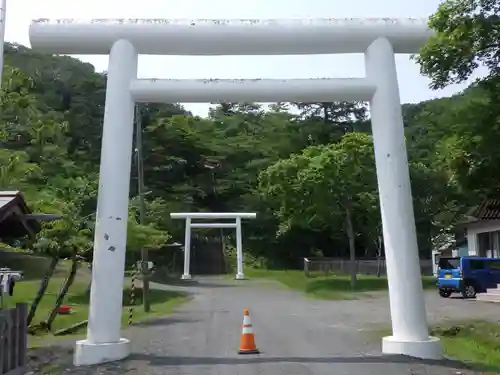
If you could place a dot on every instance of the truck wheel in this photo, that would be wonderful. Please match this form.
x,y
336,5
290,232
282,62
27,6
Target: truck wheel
x,y
468,291
444,293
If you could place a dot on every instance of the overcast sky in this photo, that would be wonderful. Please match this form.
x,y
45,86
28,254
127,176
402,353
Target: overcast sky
x,y
413,86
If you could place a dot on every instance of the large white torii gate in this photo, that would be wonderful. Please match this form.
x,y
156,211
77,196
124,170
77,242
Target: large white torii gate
x,y
125,39
190,216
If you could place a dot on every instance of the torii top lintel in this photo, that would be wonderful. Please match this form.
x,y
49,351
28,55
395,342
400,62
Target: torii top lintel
x,y
227,37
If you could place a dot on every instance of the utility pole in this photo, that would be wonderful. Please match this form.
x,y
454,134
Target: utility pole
x,y
3,12
214,181
213,166
142,205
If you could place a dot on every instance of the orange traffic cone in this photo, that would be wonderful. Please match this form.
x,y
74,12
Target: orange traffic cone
x,y
247,343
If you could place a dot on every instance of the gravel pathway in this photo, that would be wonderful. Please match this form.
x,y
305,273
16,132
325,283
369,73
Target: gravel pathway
x,y
295,335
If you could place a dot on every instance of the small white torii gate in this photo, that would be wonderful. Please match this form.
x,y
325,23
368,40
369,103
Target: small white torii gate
x,y
189,216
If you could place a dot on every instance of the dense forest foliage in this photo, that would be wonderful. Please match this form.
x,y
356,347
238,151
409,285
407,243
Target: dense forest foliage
x,y
308,173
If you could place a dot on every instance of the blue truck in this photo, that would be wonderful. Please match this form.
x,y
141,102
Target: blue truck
x,y
467,275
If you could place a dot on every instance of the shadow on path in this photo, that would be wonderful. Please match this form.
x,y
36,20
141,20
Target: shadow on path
x,y
155,360
165,321
195,283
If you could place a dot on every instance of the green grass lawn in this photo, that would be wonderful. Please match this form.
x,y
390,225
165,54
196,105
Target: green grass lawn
x,y
473,342
333,287
162,303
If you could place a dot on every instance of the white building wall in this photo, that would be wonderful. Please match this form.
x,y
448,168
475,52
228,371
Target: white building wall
x,y
473,229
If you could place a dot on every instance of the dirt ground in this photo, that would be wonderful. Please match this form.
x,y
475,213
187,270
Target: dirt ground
x,y
296,335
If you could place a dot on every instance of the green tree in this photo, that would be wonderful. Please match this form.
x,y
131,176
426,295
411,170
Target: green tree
x,y
327,187
51,128
467,34
466,37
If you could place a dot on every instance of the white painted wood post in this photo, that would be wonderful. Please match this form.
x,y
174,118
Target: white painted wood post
x,y
104,341
410,334
239,250
187,250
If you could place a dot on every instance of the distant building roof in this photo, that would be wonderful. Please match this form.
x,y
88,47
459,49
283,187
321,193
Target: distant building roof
x,y
489,209
13,220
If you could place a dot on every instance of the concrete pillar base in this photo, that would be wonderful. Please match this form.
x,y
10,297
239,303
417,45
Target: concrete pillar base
x,y
87,353
186,277
428,349
240,276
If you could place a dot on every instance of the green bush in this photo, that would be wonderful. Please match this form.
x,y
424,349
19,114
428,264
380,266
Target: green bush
x,y
249,260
